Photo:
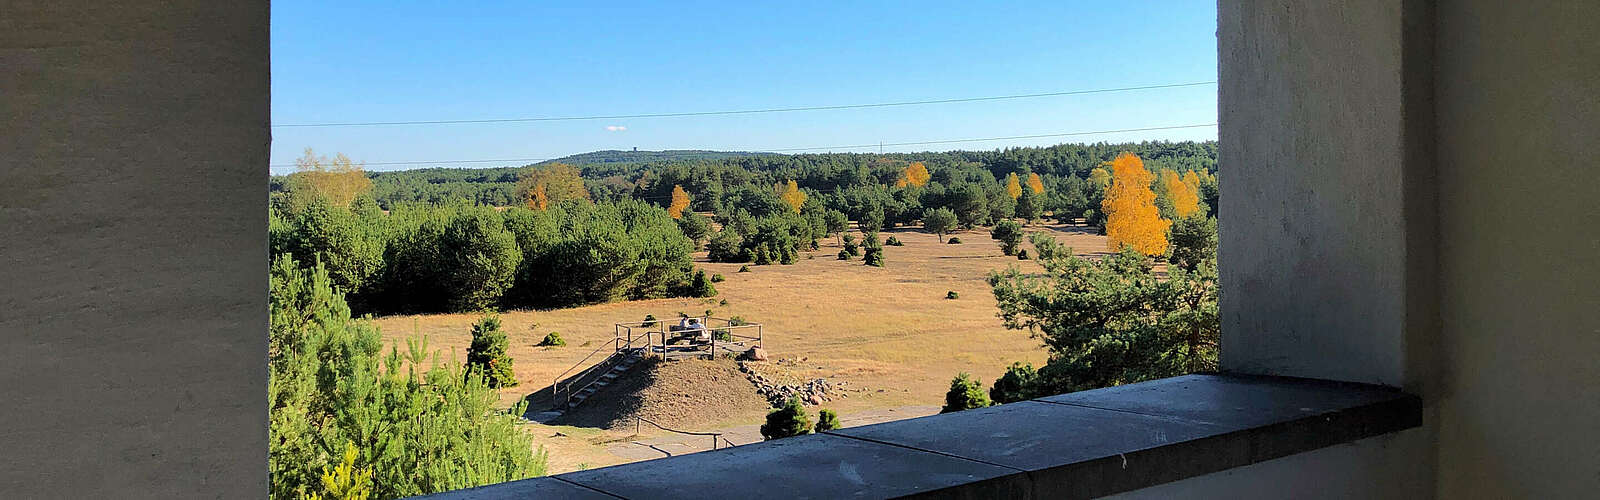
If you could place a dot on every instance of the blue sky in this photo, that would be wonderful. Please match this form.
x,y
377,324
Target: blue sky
x,y
350,61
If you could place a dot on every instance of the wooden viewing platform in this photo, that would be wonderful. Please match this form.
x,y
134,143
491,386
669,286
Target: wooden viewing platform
x,y
632,341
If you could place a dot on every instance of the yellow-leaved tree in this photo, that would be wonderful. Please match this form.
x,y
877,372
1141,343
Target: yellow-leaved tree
x,y
1035,183
916,174
1192,179
791,195
680,202
1185,197
337,179
537,199
1131,216
1013,186
541,186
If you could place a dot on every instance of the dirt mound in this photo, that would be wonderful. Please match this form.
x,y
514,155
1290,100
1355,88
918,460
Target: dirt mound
x,y
686,395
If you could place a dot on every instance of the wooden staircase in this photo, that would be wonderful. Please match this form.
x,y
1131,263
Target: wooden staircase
x,y
625,360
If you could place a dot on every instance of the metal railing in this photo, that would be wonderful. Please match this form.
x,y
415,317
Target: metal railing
x,y
619,344
715,436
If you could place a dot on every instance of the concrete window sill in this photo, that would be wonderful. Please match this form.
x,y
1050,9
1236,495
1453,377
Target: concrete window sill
x,y
1077,445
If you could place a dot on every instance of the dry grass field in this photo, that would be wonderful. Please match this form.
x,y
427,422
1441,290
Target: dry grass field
x,y
889,332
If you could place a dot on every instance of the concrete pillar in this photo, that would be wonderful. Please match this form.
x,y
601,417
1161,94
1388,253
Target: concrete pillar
x,y
1327,205
133,153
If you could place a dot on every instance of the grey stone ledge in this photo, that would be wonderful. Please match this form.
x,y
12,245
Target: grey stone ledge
x,y
1078,445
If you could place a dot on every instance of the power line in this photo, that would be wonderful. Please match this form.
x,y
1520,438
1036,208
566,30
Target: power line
x,y
426,162
950,141
746,111
820,148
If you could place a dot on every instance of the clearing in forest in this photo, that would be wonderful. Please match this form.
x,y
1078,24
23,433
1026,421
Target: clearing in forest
x,y
889,334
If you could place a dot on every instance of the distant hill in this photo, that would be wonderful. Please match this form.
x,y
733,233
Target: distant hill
x,y
615,156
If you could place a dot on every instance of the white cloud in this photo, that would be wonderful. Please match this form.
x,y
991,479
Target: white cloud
x,y
615,128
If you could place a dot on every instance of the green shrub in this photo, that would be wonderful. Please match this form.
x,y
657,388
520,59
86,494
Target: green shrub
x,y
1018,384
744,269
552,339
649,320
1009,233
717,278
487,357
827,420
737,321
893,242
954,241
790,420
844,255
965,393
952,295
1022,254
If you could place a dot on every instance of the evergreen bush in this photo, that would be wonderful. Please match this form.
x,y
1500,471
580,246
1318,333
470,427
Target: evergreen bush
x,y
1019,383
486,356
552,339
789,420
827,420
965,393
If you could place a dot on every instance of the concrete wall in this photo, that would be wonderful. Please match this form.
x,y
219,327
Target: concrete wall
x,y
1410,198
1314,115
133,153
1518,93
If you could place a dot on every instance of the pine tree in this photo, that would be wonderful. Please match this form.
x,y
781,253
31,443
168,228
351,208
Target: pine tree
x,y
1132,218
1009,234
680,202
939,221
419,425
487,357
1029,207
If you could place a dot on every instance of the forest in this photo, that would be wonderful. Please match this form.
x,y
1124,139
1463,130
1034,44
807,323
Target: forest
x,y
436,240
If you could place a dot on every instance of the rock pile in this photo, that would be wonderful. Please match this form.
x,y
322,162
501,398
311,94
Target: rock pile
x,y
813,392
